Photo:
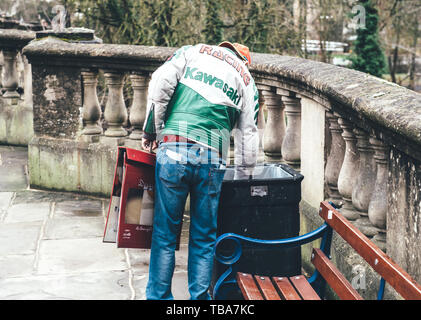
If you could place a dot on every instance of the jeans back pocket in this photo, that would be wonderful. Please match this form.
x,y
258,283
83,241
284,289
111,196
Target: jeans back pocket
x,y
169,169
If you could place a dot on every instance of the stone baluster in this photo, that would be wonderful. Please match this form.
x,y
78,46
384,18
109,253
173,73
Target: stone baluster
x,y
261,124
346,179
363,188
1,70
91,111
274,133
10,74
27,85
377,209
335,157
291,145
138,108
230,155
20,67
115,113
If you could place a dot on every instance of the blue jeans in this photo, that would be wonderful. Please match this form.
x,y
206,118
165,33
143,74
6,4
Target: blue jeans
x,y
183,168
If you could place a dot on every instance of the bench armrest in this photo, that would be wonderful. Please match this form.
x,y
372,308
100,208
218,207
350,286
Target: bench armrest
x,y
323,231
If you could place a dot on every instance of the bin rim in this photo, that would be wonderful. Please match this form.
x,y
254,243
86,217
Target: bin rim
x,y
295,176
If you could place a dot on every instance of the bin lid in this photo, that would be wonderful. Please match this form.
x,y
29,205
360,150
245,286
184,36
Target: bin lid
x,y
265,172
140,156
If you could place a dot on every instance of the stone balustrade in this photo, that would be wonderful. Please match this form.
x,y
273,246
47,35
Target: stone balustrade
x,y
355,130
355,138
15,85
69,117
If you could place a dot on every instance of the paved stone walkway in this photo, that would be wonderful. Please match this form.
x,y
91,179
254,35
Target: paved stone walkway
x,y
51,244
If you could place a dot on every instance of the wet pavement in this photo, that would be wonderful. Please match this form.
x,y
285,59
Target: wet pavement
x,y
51,244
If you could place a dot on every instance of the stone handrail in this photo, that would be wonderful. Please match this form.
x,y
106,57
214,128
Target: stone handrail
x,y
369,101
101,56
15,39
8,22
355,138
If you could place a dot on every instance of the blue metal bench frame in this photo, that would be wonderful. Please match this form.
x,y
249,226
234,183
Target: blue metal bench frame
x,y
228,278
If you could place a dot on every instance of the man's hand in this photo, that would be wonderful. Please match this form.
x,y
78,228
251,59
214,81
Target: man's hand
x,y
146,144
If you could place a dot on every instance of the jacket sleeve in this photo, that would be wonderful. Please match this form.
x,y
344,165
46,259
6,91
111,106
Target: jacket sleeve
x,y
246,137
161,88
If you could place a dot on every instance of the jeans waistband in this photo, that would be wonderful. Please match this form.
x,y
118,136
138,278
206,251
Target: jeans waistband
x,y
193,152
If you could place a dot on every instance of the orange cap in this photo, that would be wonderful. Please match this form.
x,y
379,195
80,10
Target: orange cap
x,y
242,51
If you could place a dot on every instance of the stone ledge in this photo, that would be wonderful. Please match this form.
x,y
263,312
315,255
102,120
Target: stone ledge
x,y
389,105
16,123
100,56
71,34
15,39
69,165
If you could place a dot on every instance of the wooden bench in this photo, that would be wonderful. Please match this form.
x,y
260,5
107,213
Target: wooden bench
x,y
298,287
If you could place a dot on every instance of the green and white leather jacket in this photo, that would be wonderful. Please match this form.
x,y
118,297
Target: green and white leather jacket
x,y
205,93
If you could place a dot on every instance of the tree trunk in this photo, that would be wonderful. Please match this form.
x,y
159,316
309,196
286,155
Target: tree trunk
x,y
413,56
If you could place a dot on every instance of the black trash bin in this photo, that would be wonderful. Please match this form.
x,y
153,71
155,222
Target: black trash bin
x,y
264,206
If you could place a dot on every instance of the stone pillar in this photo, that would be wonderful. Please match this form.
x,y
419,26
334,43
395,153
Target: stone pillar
x,y
377,209
115,113
403,210
363,188
230,156
28,98
275,126
1,70
347,175
261,124
20,67
313,140
291,146
138,109
91,111
10,74
335,158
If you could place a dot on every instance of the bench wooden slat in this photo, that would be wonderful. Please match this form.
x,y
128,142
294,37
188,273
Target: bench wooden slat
x,y
286,289
248,287
333,276
268,290
381,263
304,288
